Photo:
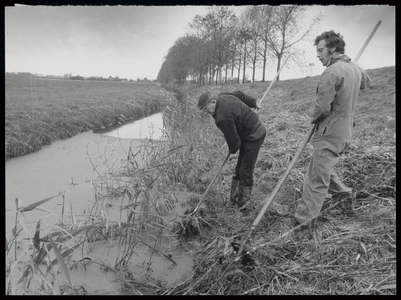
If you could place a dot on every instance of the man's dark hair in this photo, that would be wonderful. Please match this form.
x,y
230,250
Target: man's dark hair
x,y
332,40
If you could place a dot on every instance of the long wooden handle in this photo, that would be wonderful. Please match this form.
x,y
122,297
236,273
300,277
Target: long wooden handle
x,y
367,41
294,159
210,185
276,190
274,79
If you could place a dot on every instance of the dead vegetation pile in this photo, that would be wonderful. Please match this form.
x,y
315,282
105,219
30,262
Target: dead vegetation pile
x,y
340,254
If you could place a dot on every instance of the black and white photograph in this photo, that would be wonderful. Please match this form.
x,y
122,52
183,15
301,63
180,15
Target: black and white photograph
x,y
199,149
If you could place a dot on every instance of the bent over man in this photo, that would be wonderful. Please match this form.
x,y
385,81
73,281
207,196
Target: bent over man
x,y
336,98
242,131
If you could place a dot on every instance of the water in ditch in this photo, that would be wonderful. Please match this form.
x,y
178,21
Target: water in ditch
x,y
71,167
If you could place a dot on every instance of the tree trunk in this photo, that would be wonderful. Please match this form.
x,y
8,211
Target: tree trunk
x,y
264,60
278,66
244,67
253,71
255,57
239,68
264,68
232,67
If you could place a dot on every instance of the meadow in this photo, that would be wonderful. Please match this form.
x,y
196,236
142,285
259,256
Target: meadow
x,y
339,255
39,111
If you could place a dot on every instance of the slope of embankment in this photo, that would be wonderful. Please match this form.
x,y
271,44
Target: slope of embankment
x,y
342,254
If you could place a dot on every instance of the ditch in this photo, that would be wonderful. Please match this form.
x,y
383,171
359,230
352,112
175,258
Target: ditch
x,y
76,170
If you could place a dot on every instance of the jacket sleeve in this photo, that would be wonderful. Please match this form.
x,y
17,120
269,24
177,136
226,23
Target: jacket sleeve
x,y
248,100
233,140
325,93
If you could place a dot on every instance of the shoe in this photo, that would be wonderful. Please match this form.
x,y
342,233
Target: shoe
x,y
281,210
348,207
342,195
333,199
337,187
310,224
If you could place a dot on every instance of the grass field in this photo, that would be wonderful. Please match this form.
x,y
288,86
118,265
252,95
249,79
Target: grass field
x,y
340,255
39,112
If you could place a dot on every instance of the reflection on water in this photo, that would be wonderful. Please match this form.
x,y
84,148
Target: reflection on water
x,y
147,128
69,166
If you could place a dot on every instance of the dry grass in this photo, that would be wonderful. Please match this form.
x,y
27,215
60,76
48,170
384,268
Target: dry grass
x,y
340,254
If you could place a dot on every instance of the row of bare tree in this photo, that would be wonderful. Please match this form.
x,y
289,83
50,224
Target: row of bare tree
x,y
222,42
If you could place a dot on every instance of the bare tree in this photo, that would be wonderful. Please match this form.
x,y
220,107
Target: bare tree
x,y
245,35
263,19
219,40
286,29
233,51
218,27
201,57
250,17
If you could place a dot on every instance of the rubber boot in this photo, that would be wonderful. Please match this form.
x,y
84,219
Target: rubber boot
x,y
244,197
234,191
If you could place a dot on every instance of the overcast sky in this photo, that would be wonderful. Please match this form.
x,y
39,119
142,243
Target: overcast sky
x,y
132,41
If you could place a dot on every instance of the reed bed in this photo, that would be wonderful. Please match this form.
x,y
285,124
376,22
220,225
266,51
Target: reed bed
x,y
132,206
41,256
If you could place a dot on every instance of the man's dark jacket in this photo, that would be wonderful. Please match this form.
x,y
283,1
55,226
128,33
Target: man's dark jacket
x,y
235,118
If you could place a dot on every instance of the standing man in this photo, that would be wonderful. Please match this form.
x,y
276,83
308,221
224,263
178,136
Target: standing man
x,y
336,98
242,131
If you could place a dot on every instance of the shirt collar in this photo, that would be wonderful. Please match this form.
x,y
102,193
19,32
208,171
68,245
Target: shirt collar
x,y
337,58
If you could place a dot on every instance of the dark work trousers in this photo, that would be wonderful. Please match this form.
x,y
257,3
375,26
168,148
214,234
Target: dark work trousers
x,y
248,154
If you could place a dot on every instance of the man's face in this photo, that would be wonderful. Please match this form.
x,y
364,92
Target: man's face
x,y
324,54
209,108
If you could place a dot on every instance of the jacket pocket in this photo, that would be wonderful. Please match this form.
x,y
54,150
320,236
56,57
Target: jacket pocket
x,y
325,129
